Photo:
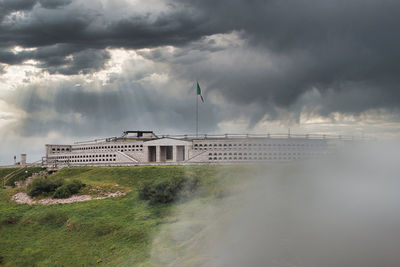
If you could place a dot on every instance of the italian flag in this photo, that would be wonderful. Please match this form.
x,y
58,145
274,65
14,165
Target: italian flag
x,y
199,92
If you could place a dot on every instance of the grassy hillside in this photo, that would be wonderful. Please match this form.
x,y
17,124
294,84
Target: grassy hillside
x,y
4,172
109,232
17,174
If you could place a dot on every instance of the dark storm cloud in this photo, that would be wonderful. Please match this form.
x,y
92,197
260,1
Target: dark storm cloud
x,y
92,28
84,61
346,50
8,6
54,3
62,59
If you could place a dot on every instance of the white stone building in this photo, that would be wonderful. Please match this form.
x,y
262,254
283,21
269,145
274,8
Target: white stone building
x,y
146,148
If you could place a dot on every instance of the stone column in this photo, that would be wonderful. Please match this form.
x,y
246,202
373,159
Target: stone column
x,y
158,154
174,153
23,159
145,154
187,152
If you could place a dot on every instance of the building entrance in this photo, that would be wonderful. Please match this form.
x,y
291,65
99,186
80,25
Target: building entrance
x,y
152,154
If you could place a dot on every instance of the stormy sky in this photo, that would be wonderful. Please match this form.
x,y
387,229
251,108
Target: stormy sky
x,y
75,70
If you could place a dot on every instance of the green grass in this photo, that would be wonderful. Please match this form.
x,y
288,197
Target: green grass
x,y
109,232
17,174
4,172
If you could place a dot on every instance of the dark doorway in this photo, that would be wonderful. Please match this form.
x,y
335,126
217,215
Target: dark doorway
x,y
152,154
168,153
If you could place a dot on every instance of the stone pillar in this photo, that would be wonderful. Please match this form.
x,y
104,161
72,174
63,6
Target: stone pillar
x,y
187,148
174,153
23,159
158,154
145,155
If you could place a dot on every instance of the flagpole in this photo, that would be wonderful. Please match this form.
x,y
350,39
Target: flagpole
x,y
197,113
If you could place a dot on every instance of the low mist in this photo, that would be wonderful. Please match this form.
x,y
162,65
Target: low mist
x,y
341,210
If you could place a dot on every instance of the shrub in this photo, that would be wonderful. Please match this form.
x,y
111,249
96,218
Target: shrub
x,y
67,190
75,185
44,186
167,191
53,187
62,192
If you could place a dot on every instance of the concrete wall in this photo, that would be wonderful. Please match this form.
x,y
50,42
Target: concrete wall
x,y
210,151
260,149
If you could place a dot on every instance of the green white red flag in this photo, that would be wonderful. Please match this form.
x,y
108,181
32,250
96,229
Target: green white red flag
x,y
199,92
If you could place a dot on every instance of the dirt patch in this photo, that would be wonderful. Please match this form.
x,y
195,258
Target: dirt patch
x,y
23,198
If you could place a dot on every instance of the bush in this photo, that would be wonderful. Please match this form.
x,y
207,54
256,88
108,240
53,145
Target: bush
x,y
44,186
53,187
67,190
167,191
75,185
62,192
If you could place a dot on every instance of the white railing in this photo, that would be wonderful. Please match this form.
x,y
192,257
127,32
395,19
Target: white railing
x,y
238,136
275,136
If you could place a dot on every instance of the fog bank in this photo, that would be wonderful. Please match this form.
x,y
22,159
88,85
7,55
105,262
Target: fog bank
x,y
339,211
